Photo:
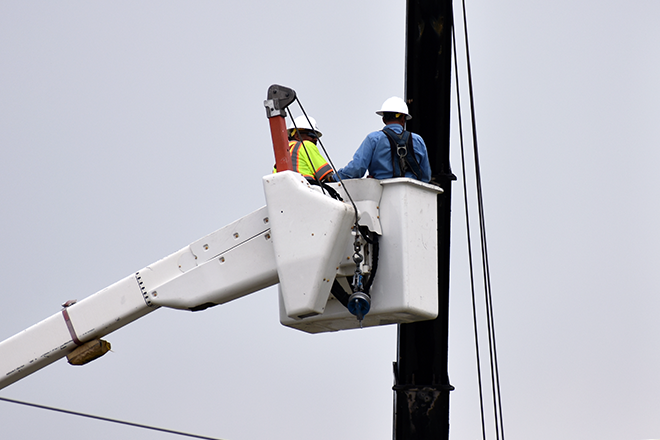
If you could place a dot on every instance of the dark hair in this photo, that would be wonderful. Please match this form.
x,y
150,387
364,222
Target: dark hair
x,y
302,132
391,116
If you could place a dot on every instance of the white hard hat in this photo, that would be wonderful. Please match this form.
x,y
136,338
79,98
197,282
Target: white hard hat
x,y
301,123
394,105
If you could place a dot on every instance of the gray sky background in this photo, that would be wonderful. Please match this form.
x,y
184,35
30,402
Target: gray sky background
x,y
130,129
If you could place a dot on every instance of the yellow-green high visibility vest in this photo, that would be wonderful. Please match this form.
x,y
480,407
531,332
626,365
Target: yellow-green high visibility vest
x,y
307,160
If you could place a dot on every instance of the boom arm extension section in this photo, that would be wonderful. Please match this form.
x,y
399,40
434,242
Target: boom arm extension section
x,y
301,239
298,239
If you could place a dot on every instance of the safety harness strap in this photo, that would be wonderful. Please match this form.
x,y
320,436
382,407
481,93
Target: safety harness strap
x,y
399,144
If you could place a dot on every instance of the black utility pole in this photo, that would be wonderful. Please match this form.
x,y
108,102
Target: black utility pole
x,y
422,386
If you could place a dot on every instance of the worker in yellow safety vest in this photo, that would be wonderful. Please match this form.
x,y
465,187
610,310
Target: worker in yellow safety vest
x,y
305,155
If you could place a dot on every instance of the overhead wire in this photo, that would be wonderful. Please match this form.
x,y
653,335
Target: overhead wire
x,y
494,367
108,419
469,240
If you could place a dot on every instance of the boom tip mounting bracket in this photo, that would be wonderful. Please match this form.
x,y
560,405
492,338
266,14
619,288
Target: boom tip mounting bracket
x,y
279,98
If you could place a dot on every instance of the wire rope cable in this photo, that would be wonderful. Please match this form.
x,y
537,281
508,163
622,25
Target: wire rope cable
x,y
334,169
358,231
495,380
469,241
302,144
359,302
108,419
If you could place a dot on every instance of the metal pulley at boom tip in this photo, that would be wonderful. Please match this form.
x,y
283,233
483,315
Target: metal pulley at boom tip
x,y
277,100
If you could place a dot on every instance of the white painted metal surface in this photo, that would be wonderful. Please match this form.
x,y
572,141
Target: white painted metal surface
x,y
229,263
406,283
95,316
302,240
310,232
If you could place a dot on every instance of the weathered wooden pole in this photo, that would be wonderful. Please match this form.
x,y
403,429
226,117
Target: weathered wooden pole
x,y
422,382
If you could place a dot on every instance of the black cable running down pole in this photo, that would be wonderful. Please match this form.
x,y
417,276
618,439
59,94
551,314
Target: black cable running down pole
x,y
495,378
469,238
421,379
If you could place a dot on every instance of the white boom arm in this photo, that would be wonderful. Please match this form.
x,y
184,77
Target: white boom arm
x,y
302,239
298,227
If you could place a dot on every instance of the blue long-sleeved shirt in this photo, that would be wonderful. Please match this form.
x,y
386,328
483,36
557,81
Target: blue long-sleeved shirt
x,y
375,155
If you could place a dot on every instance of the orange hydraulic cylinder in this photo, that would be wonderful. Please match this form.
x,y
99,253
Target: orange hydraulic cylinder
x,y
280,143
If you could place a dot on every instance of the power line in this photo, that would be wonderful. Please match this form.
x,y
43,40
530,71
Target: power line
x,y
490,317
107,419
469,239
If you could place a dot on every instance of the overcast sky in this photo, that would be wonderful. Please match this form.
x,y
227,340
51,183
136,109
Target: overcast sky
x,y
130,129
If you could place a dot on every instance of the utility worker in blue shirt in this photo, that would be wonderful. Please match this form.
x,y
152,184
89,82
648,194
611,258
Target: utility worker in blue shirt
x,y
391,152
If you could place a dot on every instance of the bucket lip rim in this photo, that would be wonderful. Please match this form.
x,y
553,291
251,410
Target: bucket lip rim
x,y
414,182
